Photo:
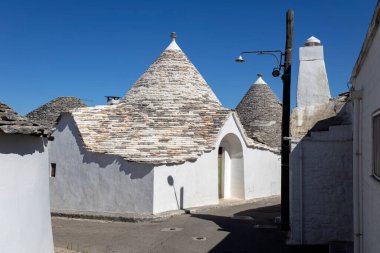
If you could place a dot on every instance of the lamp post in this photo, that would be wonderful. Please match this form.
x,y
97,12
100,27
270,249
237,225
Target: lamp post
x,y
284,67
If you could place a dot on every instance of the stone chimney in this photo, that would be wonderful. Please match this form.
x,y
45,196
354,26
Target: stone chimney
x,y
112,100
313,86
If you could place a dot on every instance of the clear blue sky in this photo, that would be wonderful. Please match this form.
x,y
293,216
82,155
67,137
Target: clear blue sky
x,y
89,49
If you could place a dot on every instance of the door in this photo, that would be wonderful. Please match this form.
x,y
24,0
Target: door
x,y
220,172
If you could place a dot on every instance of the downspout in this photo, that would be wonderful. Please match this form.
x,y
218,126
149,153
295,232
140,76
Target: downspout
x,y
358,183
360,156
301,190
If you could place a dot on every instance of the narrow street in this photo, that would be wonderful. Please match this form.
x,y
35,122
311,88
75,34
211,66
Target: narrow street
x,y
244,228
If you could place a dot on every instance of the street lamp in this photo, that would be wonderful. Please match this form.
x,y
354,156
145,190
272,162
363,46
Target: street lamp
x,y
277,54
284,67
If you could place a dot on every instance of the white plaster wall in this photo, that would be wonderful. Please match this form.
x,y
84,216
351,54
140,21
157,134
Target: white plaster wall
x,y
88,181
262,171
369,81
226,171
233,166
313,87
237,178
321,187
25,224
199,179
262,168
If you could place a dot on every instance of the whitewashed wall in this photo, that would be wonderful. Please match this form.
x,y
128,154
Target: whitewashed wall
x,y
313,87
199,180
262,174
368,80
25,224
262,168
88,181
321,187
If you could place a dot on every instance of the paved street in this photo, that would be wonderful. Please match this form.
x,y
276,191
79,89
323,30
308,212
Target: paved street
x,y
243,228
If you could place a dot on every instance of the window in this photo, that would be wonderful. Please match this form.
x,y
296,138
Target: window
x,y
376,144
53,167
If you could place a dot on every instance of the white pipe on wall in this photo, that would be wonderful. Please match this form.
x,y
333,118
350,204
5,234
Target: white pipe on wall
x,y
360,156
358,183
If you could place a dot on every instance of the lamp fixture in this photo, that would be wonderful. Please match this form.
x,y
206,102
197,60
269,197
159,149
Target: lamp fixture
x,y
240,59
279,55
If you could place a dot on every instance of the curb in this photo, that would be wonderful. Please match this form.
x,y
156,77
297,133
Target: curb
x,y
117,217
145,217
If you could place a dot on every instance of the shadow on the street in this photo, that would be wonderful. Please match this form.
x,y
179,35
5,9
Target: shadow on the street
x,y
259,234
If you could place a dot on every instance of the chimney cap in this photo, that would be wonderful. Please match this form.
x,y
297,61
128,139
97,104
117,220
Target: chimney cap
x,y
312,41
111,100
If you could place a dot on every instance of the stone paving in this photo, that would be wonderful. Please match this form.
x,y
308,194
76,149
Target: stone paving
x,y
243,228
62,250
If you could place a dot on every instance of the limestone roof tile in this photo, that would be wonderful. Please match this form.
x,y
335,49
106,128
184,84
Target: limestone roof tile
x,y
47,114
13,123
170,115
260,113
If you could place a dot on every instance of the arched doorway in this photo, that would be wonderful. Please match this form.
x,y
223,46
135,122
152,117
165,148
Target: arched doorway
x,y
230,168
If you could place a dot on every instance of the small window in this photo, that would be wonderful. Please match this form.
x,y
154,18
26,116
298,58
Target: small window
x,y
376,144
53,167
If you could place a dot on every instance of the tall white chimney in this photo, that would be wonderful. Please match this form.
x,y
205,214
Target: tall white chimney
x,y
313,86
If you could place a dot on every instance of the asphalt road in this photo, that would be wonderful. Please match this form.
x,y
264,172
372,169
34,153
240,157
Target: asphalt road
x,y
243,228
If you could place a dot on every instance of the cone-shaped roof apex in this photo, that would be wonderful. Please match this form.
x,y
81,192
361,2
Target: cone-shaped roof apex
x,y
260,113
259,80
174,79
173,45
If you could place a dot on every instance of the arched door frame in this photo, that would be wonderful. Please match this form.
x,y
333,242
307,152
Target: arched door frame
x,y
232,167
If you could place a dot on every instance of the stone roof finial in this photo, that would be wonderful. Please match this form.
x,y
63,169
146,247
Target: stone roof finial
x,y
259,79
173,45
173,36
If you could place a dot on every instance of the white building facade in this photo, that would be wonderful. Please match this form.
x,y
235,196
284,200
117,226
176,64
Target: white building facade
x,y
25,224
366,96
100,183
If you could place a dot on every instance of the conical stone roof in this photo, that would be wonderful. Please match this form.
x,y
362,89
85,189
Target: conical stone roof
x,y
47,114
260,113
174,80
170,115
13,123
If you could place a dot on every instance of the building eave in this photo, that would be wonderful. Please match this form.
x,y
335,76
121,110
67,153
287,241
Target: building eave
x,y
368,41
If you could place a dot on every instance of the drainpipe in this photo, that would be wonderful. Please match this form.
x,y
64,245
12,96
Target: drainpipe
x,y
356,95
301,190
